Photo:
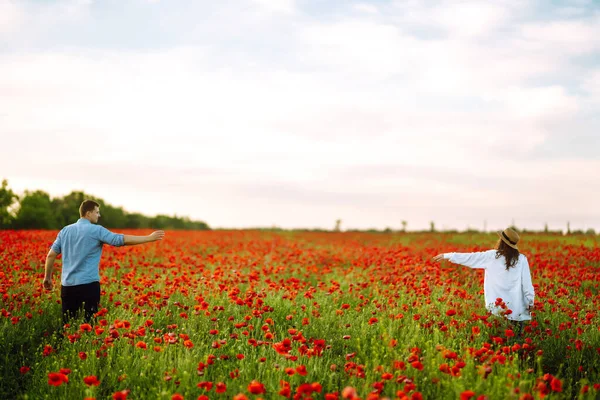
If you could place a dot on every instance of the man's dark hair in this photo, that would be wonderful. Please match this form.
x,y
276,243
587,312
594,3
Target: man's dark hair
x,y
87,205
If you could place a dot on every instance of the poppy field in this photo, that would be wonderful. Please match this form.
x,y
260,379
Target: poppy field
x,y
300,315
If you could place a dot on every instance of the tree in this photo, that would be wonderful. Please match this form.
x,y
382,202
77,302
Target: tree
x,y
137,221
7,198
404,223
66,209
35,212
110,216
432,226
38,211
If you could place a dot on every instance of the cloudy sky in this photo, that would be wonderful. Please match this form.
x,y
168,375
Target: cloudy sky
x,y
298,112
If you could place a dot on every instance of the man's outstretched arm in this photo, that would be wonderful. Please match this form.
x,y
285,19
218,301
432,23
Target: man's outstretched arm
x,y
130,240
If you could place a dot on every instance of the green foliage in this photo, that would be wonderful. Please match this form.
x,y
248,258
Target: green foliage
x,y
137,221
36,210
66,209
7,198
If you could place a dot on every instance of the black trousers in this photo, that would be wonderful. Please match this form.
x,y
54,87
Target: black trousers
x,y
78,297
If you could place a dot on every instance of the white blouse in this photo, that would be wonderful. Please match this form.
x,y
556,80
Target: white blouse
x,y
514,286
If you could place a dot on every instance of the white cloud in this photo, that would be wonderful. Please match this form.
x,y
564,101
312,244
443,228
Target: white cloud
x,y
11,16
591,85
564,37
366,8
541,102
276,6
23,23
470,18
363,50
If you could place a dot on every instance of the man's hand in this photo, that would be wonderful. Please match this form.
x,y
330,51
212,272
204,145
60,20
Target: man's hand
x,y
131,240
157,235
48,269
48,284
438,258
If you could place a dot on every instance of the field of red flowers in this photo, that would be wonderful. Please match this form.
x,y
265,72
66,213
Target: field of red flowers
x,y
299,315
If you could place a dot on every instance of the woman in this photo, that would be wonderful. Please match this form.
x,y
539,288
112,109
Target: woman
x,y
507,282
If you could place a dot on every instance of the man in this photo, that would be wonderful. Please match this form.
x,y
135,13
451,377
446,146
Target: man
x,y
81,246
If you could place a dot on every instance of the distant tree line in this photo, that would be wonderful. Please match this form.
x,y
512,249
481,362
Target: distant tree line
x,y
37,210
432,229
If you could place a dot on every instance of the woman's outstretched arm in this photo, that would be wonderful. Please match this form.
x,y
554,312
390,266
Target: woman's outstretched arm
x,y
478,259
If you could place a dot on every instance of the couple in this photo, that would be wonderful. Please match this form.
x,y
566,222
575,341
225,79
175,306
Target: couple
x,y
507,274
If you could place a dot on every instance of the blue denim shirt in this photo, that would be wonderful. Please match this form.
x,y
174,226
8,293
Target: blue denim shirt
x,y
81,247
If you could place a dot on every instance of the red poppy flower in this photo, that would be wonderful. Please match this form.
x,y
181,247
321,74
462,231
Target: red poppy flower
x,y
349,393
91,380
301,370
48,350
556,385
221,387
445,368
205,385
256,387
57,378
24,370
450,355
467,394
285,391
417,365
121,395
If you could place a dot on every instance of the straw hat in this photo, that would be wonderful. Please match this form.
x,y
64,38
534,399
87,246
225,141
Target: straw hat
x,y
510,237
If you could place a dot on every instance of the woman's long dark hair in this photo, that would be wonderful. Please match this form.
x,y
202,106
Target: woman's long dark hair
x,y
510,255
